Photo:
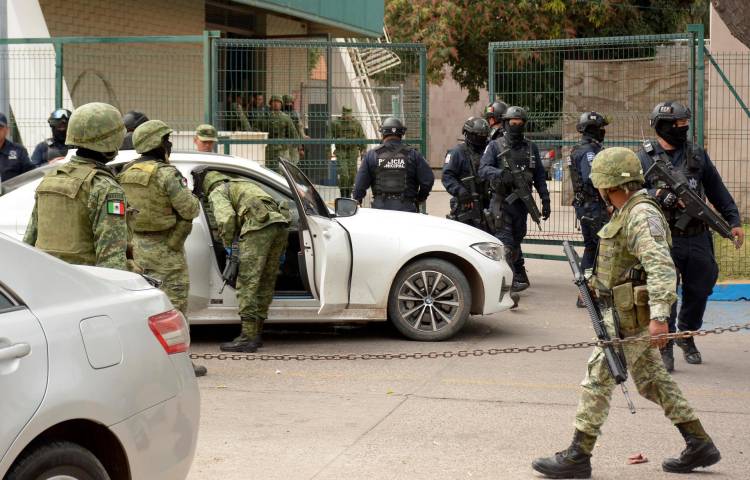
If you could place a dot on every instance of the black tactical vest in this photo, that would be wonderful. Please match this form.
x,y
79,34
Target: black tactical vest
x,y
392,173
521,156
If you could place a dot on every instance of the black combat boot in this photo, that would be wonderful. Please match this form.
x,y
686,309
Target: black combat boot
x,y
574,462
520,280
199,370
242,344
692,355
700,450
667,356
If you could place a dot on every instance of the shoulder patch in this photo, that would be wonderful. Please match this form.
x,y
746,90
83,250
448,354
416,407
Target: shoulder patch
x,y
590,157
448,157
115,203
656,227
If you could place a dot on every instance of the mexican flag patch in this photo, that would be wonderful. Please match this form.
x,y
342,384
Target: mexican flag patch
x,y
116,207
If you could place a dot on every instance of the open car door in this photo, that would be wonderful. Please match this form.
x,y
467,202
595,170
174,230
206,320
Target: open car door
x,y
332,250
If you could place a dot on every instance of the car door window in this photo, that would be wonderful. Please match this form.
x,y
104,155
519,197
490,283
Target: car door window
x,y
6,303
310,198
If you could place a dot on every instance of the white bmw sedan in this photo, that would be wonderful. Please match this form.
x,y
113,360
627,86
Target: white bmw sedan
x,y
425,274
95,379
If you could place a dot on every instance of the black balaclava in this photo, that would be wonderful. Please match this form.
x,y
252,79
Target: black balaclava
x,y
58,134
675,136
514,132
596,133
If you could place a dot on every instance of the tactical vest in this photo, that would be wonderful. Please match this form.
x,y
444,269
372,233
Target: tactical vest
x,y
392,172
521,156
155,212
255,208
614,264
587,190
474,160
55,151
64,227
345,129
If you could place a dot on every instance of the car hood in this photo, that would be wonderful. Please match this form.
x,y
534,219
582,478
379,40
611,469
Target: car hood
x,y
378,221
127,280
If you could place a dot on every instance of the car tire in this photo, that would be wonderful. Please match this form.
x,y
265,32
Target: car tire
x,y
58,459
434,313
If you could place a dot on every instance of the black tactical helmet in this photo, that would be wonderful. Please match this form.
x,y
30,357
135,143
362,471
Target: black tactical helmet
x,y
515,112
495,110
392,126
133,119
476,131
61,115
669,111
591,119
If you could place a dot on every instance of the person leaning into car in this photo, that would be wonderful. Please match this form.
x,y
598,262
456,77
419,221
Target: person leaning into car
x,y
79,209
248,215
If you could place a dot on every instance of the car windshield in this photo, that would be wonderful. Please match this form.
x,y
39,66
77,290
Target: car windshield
x,y
310,198
21,180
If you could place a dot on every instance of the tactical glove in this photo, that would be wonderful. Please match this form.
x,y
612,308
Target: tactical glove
x,y
546,209
666,198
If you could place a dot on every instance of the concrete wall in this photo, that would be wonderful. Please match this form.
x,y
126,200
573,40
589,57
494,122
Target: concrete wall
x,y
447,114
727,125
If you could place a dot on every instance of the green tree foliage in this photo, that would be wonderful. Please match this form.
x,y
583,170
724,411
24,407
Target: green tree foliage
x,y
456,32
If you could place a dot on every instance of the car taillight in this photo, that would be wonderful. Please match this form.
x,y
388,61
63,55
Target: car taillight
x,y
171,330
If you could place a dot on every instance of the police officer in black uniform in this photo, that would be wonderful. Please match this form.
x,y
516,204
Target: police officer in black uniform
x,y
14,159
53,147
525,155
398,174
692,247
132,120
493,113
589,206
461,171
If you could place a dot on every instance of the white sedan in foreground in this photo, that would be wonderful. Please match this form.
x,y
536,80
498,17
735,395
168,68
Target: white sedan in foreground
x,y
95,377
425,274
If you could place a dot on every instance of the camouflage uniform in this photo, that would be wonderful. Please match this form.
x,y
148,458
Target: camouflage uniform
x,y
347,154
79,212
238,119
280,126
634,275
244,210
638,228
165,213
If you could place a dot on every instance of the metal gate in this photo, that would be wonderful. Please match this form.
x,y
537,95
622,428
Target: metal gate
x,y
375,80
619,77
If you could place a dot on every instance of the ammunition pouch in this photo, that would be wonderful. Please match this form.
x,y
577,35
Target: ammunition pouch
x,y
178,235
631,305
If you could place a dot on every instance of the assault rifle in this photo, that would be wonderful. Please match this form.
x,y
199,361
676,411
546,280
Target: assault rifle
x,y
474,215
590,218
577,181
232,267
615,362
677,182
521,189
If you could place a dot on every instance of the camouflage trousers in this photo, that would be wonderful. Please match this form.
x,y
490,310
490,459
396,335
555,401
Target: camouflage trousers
x,y
157,260
260,251
647,371
346,167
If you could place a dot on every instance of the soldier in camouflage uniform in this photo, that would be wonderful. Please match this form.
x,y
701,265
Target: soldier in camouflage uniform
x,y
79,213
347,155
280,126
165,210
634,273
245,212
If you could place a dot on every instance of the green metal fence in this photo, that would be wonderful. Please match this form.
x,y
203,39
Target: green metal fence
x,y
163,76
375,80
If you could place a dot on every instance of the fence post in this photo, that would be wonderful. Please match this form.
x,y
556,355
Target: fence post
x,y
58,75
699,75
208,67
423,99
491,72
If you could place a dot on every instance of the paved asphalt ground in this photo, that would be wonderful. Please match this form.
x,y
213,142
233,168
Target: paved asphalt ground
x,y
459,418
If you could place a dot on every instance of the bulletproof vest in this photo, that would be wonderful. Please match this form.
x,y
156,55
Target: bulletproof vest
x,y
578,154
613,262
255,208
521,156
64,226
392,172
474,159
55,150
345,129
155,212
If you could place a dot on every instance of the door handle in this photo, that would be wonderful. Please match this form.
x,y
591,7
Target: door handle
x,y
17,350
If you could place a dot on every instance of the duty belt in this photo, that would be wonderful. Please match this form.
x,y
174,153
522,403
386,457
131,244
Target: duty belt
x,y
399,196
693,229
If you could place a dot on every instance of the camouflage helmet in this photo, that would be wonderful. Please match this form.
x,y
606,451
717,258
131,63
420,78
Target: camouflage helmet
x,y
96,126
287,99
275,98
616,166
212,179
149,135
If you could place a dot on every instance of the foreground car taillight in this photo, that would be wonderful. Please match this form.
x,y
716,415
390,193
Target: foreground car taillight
x,y
171,330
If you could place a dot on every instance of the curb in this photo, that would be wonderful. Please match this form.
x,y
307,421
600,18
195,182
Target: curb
x,y
730,292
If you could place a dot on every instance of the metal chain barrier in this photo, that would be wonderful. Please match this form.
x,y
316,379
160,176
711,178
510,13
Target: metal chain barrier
x,y
464,353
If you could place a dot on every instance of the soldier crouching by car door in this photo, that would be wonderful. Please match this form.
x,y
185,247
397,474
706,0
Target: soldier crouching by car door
x,y
251,220
398,174
469,194
511,165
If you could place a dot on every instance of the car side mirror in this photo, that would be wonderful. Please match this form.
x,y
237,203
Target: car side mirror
x,y
345,207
